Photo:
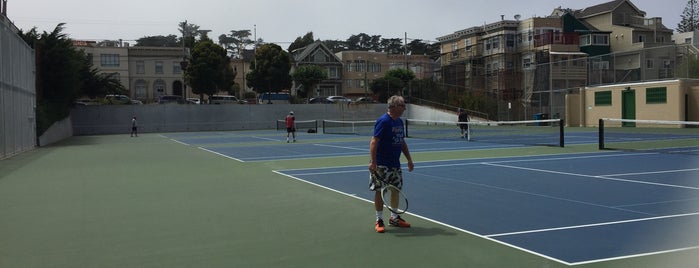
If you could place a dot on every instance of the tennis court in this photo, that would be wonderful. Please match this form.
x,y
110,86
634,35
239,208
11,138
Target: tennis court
x,y
248,198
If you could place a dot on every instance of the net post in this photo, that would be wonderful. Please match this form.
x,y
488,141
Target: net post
x,y
562,136
468,132
601,134
406,128
324,126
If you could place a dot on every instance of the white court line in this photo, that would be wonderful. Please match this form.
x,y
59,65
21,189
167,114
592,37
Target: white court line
x,y
592,225
651,172
226,156
263,138
594,176
341,147
430,220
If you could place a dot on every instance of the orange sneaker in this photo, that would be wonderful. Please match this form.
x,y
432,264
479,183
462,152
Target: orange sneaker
x,y
398,222
379,226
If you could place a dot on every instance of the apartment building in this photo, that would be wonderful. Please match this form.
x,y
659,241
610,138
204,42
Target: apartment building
x,y
642,47
146,72
530,63
359,68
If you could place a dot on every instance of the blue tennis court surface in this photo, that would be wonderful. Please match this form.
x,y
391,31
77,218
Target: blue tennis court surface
x,y
572,208
271,145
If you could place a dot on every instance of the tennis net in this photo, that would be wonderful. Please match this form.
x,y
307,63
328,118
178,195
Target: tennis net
x,y
349,127
310,126
681,137
547,132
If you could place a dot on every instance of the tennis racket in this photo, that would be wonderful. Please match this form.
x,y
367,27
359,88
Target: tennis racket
x,y
394,199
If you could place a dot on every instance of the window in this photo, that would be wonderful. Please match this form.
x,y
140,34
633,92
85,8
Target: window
x,y
332,72
600,40
603,98
159,86
641,38
159,67
320,57
649,64
176,68
140,67
109,60
349,83
585,40
688,40
510,40
496,42
526,63
454,46
467,44
141,87
349,66
656,95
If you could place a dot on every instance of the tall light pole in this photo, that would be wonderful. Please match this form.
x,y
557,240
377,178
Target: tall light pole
x,y
184,63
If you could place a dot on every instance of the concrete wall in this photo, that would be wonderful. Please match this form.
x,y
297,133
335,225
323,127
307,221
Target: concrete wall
x,y
116,119
17,93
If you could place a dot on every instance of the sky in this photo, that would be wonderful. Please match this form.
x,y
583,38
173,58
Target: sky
x,y
282,21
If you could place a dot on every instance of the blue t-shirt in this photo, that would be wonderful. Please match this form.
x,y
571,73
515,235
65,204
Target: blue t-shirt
x,y
390,133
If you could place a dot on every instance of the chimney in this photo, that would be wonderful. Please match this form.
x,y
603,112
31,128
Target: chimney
x,y
4,8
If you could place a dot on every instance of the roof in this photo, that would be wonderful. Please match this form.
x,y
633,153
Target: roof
x,y
605,8
301,54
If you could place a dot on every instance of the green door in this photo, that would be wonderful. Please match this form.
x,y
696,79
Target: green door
x,y
628,106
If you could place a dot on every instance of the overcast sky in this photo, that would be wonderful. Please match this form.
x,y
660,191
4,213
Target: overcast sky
x,y
282,21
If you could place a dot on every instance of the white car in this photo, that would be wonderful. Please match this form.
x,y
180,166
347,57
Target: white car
x,y
336,99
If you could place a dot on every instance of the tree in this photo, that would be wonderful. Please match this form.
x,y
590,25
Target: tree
x,y
270,70
690,18
236,42
364,42
158,41
209,70
336,45
60,70
302,42
391,46
385,87
98,84
309,76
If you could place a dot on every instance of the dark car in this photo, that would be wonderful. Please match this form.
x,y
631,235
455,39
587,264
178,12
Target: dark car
x,y
319,100
365,100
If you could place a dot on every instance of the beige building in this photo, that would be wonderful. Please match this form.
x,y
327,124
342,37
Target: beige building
x,y
673,100
146,72
359,68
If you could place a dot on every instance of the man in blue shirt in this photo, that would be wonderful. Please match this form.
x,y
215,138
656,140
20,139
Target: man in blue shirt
x,y
385,148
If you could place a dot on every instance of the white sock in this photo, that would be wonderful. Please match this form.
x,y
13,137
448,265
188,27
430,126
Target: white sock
x,y
379,215
394,215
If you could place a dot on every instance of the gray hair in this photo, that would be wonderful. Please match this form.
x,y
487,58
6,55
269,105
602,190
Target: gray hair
x,y
394,100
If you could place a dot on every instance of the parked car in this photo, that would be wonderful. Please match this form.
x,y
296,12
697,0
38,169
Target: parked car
x,y
335,99
194,100
225,99
165,99
120,99
365,100
319,100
